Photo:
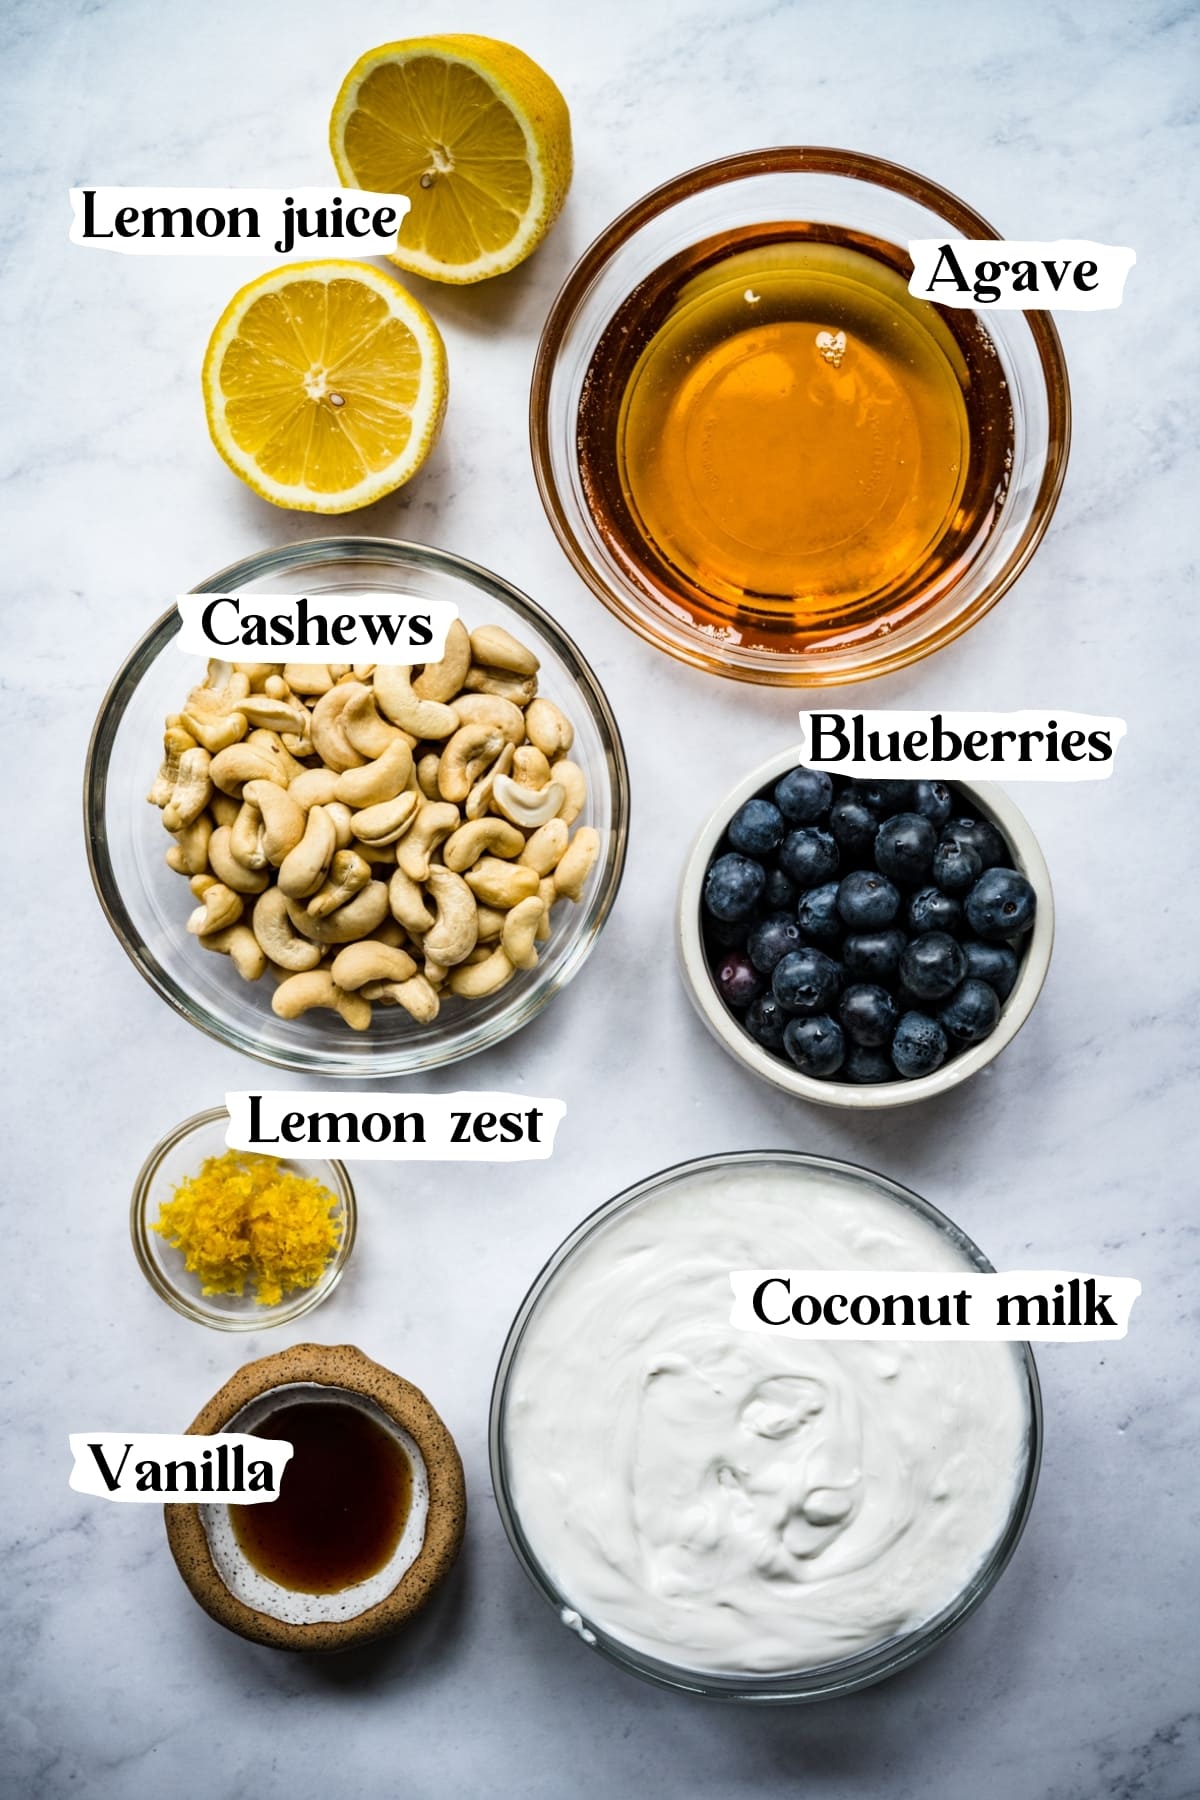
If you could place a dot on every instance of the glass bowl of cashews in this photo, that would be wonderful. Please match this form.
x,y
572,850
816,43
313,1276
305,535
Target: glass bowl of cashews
x,y
360,870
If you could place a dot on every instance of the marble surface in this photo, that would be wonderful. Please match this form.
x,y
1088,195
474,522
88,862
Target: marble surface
x,y
1077,1678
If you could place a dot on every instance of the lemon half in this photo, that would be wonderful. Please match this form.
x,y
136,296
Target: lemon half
x,y
325,385
474,133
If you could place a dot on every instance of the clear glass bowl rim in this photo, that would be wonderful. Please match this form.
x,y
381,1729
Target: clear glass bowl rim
x,y
319,551
788,1686
267,1316
792,159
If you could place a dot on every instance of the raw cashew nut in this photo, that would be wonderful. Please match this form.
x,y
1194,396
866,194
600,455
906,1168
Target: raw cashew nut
x,y
417,997
577,862
370,960
570,777
200,884
543,851
548,895
518,937
453,935
343,823
328,732
233,768
382,779
549,729
316,787
491,922
276,937
301,993
273,715
395,698
304,869
427,775
479,800
227,868
523,806
175,741
224,808
349,873
245,834
496,648
271,745
243,949
358,918
365,730
188,855
470,752
466,845
219,907
383,856
520,689
308,678
387,822
530,767
476,980
434,822
192,790
407,902
501,884
442,680
490,709
214,719
283,820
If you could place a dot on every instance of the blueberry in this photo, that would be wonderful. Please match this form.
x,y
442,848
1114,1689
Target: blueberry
x,y
765,1021
867,1067
818,915
874,955
779,894
815,1045
868,1015
884,797
732,886
853,826
808,856
931,910
994,963
867,900
738,981
727,934
771,939
934,801
804,796
756,828
1002,904
932,966
970,1013
983,839
806,981
956,867
919,1046
904,847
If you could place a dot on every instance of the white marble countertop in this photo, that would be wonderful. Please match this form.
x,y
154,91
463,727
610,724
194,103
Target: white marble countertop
x,y
1077,1678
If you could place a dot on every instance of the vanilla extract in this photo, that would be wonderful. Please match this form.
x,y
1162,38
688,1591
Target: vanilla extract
x,y
343,1500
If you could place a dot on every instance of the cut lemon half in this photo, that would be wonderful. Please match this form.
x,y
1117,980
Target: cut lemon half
x,y
474,133
325,385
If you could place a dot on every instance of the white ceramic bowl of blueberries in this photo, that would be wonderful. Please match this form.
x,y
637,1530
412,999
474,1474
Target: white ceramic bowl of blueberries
x,y
864,943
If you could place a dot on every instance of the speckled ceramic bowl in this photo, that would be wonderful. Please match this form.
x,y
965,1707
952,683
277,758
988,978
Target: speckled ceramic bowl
x,y
247,1602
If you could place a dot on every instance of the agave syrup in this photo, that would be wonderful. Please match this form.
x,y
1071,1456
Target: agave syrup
x,y
781,442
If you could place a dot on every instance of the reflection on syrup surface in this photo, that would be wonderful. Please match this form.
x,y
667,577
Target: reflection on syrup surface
x,y
342,1502
778,438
